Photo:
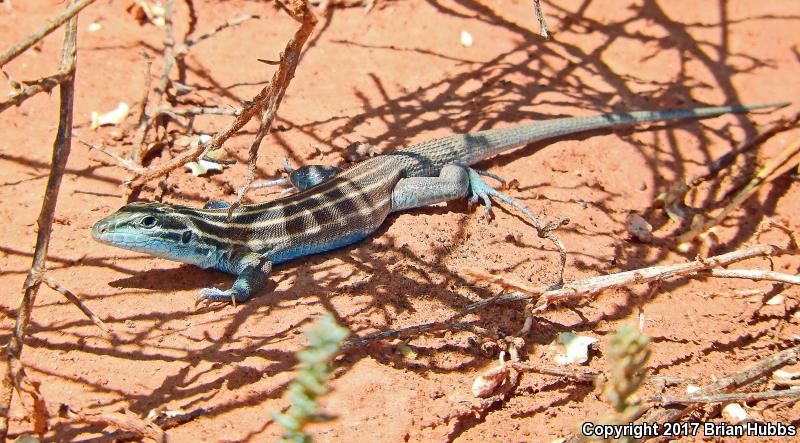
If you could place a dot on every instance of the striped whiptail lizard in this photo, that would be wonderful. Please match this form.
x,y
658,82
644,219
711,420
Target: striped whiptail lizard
x,y
335,207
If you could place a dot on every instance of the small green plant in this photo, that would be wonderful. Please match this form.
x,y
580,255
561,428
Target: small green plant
x,y
628,355
324,340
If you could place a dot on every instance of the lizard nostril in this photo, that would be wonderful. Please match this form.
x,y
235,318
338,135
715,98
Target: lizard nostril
x,y
99,229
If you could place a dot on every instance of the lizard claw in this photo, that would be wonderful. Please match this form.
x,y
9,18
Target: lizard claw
x,y
208,296
480,190
491,175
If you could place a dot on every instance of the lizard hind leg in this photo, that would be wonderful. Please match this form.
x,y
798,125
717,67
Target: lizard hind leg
x,y
311,175
301,178
480,190
457,181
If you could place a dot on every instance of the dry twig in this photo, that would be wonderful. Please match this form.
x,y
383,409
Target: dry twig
x,y
594,285
673,413
265,103
578,375
29,89
183,49
73,9
143,122
128,164
546,295
539,16
725,398
125,421
54,285
728,159
172,53
15,373
357,342
762,368
756,275
787,159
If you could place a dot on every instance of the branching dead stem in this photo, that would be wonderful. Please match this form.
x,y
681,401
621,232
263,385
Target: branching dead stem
x,y
172,52
762,368
265,103
15,376
787,159
547,295
73,9
56,286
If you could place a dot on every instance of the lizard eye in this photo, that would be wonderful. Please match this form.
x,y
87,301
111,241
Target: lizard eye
x,y
148,222
186,237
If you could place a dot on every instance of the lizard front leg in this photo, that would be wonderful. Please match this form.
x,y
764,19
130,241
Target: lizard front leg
x,y
251,270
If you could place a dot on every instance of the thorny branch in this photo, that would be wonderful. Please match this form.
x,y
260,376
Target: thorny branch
x,y
787,159
264,104
12,52
29,89
594,285
15,377
762,368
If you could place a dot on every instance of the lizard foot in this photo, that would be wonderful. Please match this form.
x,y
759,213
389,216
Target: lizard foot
x,y
208,296
480,190
302,178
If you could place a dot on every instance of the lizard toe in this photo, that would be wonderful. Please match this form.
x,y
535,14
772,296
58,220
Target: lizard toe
x,y
209,295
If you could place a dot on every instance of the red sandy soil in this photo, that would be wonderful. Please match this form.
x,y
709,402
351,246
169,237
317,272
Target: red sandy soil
x,y
394,76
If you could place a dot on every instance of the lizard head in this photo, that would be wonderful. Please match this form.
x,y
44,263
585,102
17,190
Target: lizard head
x,y
157,229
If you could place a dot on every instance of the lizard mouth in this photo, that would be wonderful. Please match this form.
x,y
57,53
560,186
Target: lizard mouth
x,y
104,232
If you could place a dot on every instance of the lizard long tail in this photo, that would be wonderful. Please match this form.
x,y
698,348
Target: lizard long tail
x,y
484,144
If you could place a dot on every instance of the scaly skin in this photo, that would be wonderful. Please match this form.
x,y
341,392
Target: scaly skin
x,y
335,208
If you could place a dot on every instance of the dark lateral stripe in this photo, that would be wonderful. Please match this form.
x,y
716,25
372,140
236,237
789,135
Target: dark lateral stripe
x,y
365,172
286,209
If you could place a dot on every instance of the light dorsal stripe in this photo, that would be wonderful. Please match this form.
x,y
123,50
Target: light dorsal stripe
x,y
287,209
259,244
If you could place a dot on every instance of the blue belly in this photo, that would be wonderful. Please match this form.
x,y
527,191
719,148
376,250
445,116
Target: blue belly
x,y
301,251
